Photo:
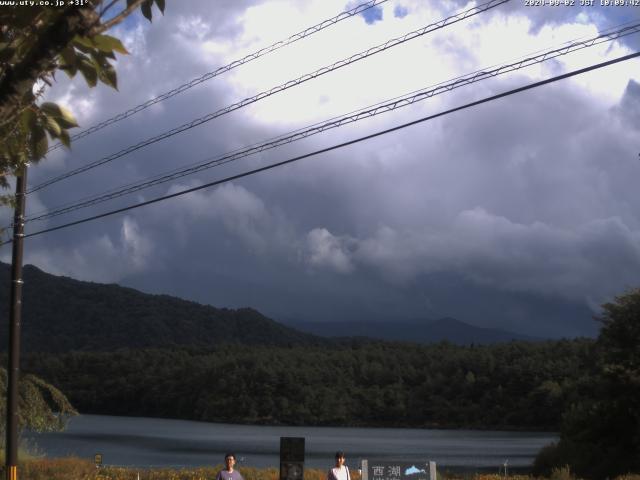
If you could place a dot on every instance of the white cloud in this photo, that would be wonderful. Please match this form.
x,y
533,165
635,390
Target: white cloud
x,y
327,250
97,257
534,193
226,211
137,248
593,261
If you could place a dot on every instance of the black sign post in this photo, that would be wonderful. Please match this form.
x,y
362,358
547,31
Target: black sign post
x,y
291,458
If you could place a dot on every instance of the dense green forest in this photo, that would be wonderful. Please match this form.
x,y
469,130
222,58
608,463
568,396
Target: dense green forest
x,y
115,350
516,385
62,314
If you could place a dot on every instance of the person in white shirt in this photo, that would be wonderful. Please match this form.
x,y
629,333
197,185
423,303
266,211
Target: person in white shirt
x,y
340,471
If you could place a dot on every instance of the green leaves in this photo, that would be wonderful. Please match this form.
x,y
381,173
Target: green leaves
x,y
145,8
57,120
38,142
104,43
43,408
21,17
69,61
65,139
52,127
25,127
89,72
28,119
108,76
63,116
6,52
91,56
34,125
107,43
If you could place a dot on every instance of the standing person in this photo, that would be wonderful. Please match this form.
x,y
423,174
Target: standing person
x,y
340,471
229,473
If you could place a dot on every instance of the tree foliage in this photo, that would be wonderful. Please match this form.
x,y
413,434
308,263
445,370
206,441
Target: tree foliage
x,y
600,434
36,42
41,406
62,314
350,383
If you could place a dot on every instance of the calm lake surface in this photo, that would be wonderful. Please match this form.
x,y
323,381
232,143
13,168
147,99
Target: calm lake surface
x,y
159,442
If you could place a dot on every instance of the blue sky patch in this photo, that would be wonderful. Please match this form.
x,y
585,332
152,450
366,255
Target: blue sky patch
x,y
372,15
400,11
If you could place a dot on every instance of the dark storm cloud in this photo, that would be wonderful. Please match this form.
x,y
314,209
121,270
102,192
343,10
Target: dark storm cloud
x,y
524,208
630,105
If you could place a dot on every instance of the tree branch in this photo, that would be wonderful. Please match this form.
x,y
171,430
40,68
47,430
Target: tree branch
x,y
51,40
105,9
98,29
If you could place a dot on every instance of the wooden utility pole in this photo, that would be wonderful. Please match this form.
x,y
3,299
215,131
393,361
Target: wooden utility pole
x,y
15,315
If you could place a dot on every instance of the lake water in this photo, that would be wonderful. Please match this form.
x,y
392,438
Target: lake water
x,y
159,442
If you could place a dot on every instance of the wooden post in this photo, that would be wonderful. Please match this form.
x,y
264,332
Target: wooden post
x,y
15,316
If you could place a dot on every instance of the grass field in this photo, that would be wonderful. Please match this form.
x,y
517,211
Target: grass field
x,y
81,469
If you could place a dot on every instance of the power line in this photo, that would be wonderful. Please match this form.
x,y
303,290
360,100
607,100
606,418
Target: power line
x,y
352,117
236,63
267,93
338,146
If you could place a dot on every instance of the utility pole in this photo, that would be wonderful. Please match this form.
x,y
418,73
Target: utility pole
x,y
15,315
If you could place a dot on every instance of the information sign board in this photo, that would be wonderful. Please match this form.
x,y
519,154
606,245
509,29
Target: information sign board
x,y
397,470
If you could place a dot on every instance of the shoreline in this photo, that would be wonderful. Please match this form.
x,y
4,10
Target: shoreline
x,y
432,427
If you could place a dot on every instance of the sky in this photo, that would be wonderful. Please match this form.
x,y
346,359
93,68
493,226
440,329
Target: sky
x,y
521,213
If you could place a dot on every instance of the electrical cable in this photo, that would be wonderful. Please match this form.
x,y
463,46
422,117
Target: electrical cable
x,y
236,63
382,107
267,93
335,147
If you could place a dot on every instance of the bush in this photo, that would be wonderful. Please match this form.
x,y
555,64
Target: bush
x,y
549,458
561,473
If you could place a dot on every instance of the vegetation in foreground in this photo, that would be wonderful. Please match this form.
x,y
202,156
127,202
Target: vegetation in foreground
x,y
80,469
600,432
42,407
37,41
592,389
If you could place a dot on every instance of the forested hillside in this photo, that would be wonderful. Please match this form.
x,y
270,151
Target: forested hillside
x,y
62,314
416,330
516,385
114,350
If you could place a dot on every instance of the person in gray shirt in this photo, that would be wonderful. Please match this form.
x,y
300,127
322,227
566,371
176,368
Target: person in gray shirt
x,y
229,473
